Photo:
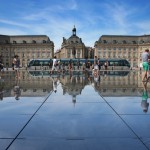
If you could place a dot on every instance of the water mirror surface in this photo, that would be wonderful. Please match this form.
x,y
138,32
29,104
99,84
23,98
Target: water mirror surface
x,y
74,110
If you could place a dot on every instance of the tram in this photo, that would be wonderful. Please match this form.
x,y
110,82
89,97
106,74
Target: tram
x,y
78,64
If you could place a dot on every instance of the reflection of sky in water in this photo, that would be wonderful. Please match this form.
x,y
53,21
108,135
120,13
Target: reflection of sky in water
x,y
81,110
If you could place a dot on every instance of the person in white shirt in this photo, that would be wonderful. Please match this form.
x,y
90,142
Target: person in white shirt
x,y
54,66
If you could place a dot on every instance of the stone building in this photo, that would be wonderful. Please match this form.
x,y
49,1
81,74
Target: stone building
x,y
121,46
73,47
90,52
26,47
58,54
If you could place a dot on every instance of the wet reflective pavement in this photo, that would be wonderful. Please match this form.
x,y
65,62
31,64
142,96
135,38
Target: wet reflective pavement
x,y
74,111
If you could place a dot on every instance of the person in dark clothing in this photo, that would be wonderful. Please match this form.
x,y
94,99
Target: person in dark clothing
x,y
16,62
99,64
1,64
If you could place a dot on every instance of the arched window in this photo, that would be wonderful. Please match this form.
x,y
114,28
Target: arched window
x,y
134,42
14,42
104,41
44,41
24,42
33,41
114,42
124,42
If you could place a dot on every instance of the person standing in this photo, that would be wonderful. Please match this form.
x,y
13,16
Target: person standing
x,y
145,57
95,65
54,66
1,64
16,62
106,65
99,64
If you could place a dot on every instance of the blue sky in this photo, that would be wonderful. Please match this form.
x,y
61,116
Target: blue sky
x,y
92,18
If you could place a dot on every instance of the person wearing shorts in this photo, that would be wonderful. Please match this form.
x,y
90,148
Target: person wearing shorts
x,y
145,57
54,66
16,62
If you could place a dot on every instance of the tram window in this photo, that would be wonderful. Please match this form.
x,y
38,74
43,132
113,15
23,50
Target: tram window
x,y
121,63
111,63
36,63
45,63
116,63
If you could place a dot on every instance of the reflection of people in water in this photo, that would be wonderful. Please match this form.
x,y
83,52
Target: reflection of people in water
x,y
96,78
144,103
1,93
17,90
55,80
105,73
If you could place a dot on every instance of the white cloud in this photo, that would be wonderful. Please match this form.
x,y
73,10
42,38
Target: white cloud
x,y
51,11
9,31
13,23
144,26
57,20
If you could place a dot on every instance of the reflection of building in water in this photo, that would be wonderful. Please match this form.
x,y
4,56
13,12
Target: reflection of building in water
x,y
110,85
73,85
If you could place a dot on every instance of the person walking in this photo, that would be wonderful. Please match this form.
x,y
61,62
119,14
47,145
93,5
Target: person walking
x,y
54,66
145,57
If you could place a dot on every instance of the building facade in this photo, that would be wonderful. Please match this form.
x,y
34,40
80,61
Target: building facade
x,y
127,47
26,47
73,47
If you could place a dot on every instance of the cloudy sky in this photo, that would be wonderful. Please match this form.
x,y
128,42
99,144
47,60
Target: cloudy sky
x,y
92,18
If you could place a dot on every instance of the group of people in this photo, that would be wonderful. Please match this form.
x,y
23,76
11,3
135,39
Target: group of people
x,y
97,65
59,66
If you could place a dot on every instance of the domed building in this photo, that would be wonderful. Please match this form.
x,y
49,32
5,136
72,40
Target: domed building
x,y
73,47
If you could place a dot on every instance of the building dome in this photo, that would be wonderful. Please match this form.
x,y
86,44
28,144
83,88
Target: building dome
x,y
74,31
